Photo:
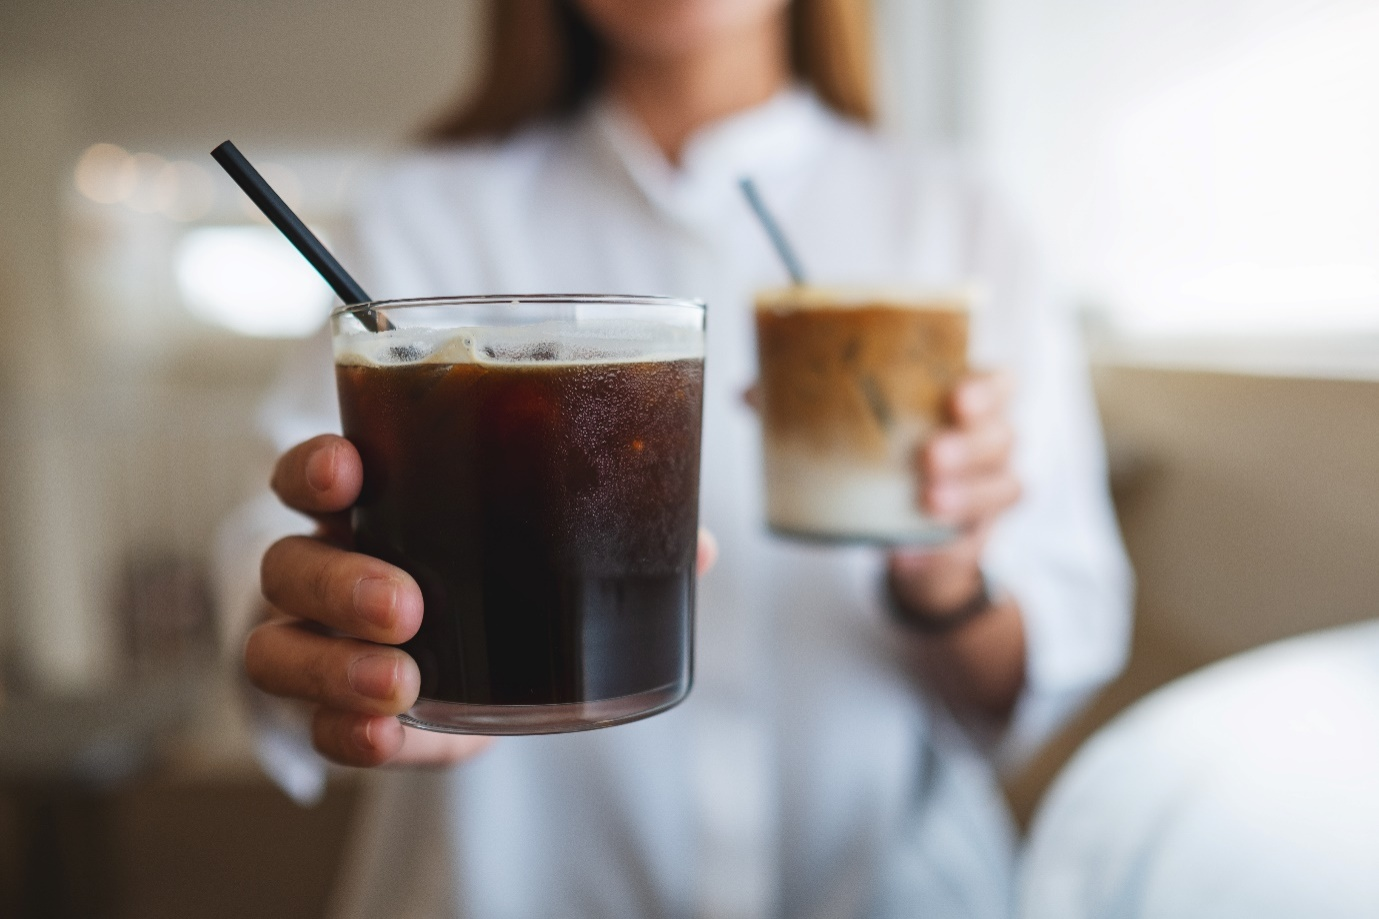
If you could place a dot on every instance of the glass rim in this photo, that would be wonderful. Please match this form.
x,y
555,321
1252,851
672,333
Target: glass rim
x,y
349,309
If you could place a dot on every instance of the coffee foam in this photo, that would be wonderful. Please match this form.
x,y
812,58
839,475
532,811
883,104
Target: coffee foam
x,y
591,342
804,297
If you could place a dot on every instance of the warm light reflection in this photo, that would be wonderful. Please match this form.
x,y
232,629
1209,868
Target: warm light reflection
x,y
250,280
149,184
106,174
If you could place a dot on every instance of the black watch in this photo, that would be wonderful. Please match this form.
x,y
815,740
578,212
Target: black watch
x,y
930,624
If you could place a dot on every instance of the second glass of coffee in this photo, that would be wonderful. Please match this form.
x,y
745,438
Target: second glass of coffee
x,y
533,462
852,382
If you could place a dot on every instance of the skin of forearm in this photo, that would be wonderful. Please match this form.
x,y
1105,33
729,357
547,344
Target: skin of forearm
x,y
980,667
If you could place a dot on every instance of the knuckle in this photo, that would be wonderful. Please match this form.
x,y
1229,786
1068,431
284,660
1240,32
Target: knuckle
x,y
258,657
270,567
317,680
325,734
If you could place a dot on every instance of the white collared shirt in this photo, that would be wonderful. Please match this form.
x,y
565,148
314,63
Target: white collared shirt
x,y
807,775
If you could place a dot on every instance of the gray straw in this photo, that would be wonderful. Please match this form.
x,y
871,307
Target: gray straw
x,y
782,247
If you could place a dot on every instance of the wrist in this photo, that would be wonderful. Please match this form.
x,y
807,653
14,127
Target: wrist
x,y
943,613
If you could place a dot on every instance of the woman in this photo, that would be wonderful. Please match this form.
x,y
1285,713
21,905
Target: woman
x,y
834,758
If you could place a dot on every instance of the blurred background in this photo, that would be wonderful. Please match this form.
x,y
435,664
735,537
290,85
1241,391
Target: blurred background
x,y
1201,176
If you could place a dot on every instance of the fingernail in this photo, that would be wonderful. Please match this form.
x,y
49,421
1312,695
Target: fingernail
x,y
373,675
363,734
947,453
707,552
320,469
375,599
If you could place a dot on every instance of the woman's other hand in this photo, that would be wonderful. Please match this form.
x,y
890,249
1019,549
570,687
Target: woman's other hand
x,y
967,480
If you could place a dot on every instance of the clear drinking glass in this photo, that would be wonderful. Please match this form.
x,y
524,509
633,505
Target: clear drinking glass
x,y
533,462
852,381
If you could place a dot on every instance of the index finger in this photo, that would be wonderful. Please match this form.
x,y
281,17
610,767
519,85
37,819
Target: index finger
x,y
320,476
980,397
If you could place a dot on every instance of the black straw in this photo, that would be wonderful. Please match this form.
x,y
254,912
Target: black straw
x,y
291,226
778,240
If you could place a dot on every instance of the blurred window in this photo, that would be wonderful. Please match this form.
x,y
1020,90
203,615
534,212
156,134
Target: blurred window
x,y
1197,168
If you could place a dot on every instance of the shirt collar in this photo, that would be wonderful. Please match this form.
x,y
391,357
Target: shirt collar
x,y
769,139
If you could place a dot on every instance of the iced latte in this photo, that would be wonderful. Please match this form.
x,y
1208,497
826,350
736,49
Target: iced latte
x,y
852,382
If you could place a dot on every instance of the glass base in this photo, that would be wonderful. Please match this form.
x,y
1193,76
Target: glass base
x,y
929,537
465,718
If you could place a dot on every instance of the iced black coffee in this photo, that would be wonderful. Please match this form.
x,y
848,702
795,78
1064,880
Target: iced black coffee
x,y
534,465
852,382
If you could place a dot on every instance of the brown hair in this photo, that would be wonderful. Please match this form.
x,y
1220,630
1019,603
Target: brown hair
x,y
543,59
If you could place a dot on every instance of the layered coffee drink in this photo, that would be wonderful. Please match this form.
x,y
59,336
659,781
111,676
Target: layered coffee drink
x,y
540,482
852,382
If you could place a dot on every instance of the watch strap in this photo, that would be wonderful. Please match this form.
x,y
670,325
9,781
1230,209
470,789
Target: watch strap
x,y
927,623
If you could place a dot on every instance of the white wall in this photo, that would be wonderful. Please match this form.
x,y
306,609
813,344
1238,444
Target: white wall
x,y
310,72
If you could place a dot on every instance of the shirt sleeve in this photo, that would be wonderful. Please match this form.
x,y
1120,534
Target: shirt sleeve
x,y
300,405
1058,552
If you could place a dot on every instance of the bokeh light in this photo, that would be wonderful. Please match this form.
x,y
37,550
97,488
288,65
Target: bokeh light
x,y
106,174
